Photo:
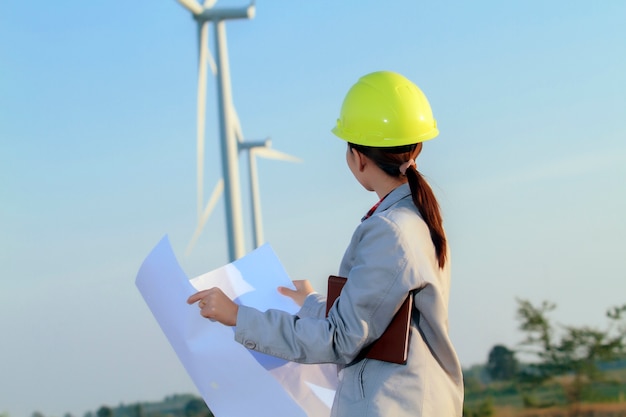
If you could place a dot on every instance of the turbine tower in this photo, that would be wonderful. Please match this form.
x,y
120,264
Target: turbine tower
x,y
231,137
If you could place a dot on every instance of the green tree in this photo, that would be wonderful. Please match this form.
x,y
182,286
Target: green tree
x,y
502,364
104,411
484,409
567,350
136,410
197,408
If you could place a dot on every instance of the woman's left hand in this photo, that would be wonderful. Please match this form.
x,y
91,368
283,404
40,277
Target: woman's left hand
x,y
302,291
215,305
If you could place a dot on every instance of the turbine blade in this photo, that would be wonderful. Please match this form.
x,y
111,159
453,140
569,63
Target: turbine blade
x,y
209,3
215,195
210,205
194,239
192,5
236,125
212,63
270,153
201,111
209,56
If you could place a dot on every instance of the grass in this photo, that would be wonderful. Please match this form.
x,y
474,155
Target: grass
x,y
603,398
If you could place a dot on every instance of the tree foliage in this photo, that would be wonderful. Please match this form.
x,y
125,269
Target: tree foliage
x,y
501,363
104,411
483,409
572,351
197,408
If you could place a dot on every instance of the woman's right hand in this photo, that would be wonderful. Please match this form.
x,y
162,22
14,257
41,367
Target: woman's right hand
x,y
303,289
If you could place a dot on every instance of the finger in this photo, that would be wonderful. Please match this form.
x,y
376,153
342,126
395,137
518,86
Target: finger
x,y
285,291
196,297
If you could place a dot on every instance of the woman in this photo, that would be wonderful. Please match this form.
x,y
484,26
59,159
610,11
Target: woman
x,y
399,247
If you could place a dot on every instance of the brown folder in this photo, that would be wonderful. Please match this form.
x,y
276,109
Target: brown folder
x,y
393,345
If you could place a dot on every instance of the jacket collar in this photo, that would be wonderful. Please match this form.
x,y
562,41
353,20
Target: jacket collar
x,y
398,193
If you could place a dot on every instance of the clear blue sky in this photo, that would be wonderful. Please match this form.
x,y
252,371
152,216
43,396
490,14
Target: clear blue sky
x,y
97,163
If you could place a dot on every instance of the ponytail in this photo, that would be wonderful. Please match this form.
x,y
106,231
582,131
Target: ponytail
x,y
390,160
426,203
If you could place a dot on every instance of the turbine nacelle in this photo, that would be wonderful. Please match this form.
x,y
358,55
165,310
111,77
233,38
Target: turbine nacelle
x,y
206,12
263,149
227,13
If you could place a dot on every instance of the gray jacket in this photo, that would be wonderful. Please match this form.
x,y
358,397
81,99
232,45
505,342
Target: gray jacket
x,y
390,254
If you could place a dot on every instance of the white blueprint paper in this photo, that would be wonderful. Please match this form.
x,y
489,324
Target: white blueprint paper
x,y
233,380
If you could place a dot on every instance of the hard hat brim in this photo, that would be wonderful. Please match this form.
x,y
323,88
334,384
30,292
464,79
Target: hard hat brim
x,y
376,141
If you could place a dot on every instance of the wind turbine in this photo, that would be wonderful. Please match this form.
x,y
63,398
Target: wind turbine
x,y
231,136
260,149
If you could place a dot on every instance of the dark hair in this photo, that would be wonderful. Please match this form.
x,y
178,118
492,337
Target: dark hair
x,y
389,160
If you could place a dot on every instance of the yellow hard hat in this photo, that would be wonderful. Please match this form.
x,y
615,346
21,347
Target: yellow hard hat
x,y
385,109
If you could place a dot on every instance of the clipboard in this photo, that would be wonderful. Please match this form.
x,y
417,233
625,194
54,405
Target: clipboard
x,y
393,345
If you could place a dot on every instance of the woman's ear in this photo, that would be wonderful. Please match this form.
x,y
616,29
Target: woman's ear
x,y
361,159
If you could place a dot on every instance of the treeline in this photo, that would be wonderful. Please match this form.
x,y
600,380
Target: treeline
x,y
570,368
186,405
178,405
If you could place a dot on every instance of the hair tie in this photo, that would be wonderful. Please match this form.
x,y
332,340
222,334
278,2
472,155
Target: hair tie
x,y
406,166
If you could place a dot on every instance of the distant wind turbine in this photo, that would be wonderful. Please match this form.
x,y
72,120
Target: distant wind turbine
x,y
263,150
231,136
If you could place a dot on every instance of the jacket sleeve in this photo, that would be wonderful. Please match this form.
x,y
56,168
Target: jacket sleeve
x,y
314,306
378,283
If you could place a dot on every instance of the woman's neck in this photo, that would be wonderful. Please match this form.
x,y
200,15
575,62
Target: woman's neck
x,y
387,185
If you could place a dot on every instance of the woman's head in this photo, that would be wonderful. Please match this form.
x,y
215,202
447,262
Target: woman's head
x,y
386,117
